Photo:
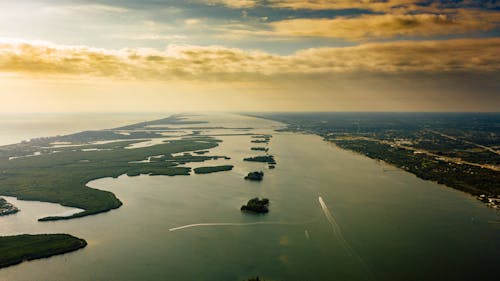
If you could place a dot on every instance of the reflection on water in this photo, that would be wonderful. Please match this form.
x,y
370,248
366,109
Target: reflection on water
x,y
26,220
191,228
18,127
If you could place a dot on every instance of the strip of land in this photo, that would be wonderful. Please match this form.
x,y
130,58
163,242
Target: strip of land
x,y
20,248
212,169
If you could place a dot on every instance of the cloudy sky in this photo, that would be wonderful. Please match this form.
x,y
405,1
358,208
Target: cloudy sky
x,y
249,55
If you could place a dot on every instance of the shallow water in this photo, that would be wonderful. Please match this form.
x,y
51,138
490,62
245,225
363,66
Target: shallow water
x,y
374,225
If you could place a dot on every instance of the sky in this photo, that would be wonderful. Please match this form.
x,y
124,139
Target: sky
x,y
249,55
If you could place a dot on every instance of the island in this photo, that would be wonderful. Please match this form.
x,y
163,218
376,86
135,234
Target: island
x,y
260,141
265,159
255,176
26,247
256,205
6,208
212,169
201,152
260,149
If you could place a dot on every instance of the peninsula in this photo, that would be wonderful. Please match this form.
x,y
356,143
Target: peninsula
x,y
38,170
25,247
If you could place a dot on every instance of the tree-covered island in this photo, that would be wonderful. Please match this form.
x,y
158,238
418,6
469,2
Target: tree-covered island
x,y
255,176
26,247
256,205
212,169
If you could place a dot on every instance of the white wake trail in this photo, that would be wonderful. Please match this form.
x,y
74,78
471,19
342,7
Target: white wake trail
x,y
336,228
234,224
338,233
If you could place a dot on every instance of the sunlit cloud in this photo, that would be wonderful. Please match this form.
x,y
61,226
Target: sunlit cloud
x,y
372,5
367,27
233,3
232,64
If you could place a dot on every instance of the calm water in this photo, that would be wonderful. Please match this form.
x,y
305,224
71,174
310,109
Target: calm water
x,y
15,128
376,225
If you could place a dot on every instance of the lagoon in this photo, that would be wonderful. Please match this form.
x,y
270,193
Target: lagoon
x,y
334,215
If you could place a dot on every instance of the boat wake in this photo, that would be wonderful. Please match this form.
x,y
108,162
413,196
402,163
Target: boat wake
x,y
235,224
336,228
338,233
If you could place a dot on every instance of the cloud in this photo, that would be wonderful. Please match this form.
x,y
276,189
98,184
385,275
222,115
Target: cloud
x,y
368,27
372,5
231,64
375,5
391,18
233,3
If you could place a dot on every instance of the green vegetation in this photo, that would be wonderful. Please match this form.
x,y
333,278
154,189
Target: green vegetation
x,y
6,208
19,248
265,159
255,176
256,205
59,175
468,178
213,169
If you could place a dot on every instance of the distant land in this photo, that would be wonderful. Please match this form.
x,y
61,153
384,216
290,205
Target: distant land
x,y
460,150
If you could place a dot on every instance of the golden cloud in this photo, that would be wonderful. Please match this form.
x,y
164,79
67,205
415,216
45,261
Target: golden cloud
x,y
230,64
394,18
392,6
369,27
375,5
233,3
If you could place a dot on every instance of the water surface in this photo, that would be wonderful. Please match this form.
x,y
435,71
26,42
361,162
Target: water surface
x,y
374,224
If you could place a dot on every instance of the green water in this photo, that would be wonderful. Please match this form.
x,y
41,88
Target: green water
x,y
388,225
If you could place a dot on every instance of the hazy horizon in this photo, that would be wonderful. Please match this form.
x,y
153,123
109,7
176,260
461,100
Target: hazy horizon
x,y
249,55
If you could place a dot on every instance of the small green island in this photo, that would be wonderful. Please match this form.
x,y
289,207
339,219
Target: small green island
x,y
213,169
261,139
6,208
26,247
265,159
258,148
256,205
255,176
